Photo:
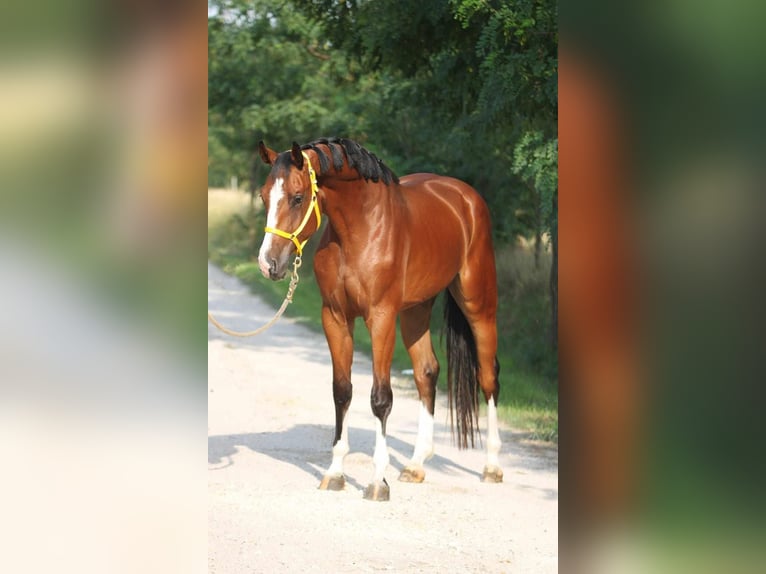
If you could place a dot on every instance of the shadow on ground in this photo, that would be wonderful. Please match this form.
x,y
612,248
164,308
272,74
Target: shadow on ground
x,y
308,447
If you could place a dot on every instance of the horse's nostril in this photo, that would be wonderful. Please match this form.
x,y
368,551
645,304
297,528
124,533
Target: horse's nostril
x,y
273,268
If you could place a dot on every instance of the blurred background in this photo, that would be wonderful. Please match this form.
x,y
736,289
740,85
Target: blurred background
x,y
102,259
662,274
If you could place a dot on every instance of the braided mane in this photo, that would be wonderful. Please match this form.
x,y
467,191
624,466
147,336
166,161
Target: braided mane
x,y
363,161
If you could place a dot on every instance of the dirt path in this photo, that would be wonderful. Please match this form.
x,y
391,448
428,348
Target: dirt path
x,y
270,430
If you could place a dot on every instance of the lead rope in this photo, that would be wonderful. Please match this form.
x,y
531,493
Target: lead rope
x,y
288,299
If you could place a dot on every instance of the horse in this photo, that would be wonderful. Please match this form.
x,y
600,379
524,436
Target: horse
x,y
390,247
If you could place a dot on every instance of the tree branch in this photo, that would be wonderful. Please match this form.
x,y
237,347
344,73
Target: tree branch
x,y
317,54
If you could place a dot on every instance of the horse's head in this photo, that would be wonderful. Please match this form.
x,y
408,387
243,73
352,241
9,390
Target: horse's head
x,y
292,208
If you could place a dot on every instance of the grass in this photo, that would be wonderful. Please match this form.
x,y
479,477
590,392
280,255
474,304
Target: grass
x,y
529,389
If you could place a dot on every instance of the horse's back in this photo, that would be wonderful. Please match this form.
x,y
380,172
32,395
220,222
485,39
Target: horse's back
x,y
438,196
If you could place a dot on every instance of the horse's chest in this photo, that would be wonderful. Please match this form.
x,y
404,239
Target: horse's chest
x,y
356,281
350,290
354,292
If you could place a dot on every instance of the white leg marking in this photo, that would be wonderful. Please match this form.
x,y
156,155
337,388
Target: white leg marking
x,y
424,446
380,457
493,434
339,451
276,197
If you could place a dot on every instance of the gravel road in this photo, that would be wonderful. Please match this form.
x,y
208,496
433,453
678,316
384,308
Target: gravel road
x,y
270,431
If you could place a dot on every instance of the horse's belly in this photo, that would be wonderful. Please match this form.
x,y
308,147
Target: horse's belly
x,y
425,278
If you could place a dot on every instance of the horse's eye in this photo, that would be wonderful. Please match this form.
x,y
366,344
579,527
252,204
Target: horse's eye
x,y
297,200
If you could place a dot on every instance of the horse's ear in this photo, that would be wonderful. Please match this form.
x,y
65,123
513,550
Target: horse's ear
x,y
267,155
297,156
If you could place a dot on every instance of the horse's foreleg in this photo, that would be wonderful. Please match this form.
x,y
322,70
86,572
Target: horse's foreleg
x,y
334,478
341,343
383,334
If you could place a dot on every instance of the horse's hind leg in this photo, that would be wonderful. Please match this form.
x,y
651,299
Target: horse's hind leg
x,y
485,333
414,323
477,298
492,471
340,340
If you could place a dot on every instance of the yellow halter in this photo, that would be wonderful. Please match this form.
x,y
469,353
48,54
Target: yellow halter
x,y
313,207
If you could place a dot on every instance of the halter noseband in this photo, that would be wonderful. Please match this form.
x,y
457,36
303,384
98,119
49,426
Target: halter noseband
x,y
314,204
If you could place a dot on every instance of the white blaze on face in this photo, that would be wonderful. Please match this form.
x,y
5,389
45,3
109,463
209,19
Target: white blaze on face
x,y
276,197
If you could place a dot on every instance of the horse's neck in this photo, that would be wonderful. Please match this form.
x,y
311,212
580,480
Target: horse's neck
x,y
354,209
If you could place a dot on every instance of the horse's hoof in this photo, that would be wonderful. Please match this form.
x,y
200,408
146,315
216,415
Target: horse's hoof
x,y
492,474
412,474
332,482
377,491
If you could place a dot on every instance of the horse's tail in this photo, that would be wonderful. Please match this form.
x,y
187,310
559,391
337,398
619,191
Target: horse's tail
x,y
462,371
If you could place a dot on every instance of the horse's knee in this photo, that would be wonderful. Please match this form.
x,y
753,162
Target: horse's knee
x,y
342,391
381,400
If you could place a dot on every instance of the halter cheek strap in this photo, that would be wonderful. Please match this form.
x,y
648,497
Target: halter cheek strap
x,y
314,207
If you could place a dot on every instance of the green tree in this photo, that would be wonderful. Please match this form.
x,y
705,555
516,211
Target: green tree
x,y
535,161
271,77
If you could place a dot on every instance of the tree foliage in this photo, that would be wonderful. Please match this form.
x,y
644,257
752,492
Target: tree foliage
x,y
535,161
271,77
458,84
466,88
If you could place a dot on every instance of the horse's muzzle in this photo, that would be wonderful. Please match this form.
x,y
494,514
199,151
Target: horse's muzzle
x,y
271,269
275,274
274,259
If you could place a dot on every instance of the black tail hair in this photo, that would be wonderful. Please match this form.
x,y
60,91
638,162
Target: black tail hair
x,y
462,374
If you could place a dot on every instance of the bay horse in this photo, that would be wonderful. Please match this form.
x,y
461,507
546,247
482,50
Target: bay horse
x,y
390,247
